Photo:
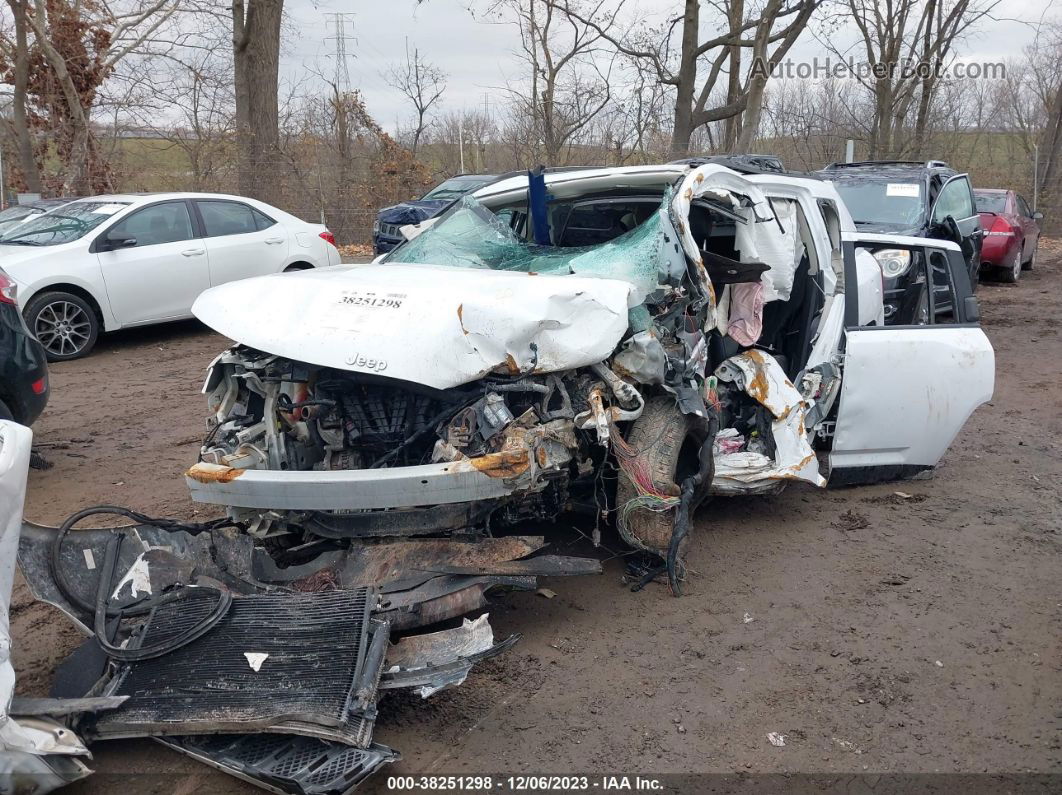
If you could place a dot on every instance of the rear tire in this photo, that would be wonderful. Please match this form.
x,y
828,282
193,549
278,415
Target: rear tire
x,y
1011,273
65,324
1028,266
668,442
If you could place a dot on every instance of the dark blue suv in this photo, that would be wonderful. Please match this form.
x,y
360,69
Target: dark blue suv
x,y
385,234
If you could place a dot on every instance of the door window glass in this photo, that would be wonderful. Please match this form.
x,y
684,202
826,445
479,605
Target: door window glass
x,y
955,200
226,218
261,220
160,223
1023,208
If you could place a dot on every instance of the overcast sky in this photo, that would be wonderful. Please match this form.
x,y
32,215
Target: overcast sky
x,y
478,56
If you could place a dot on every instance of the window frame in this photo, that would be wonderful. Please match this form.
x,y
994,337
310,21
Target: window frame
x,y
99,243
960,286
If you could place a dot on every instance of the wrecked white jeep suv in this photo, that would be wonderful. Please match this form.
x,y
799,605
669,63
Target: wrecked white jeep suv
x,y
635,338
631,340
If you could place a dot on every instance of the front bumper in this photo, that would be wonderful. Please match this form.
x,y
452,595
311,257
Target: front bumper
x,y
381,244
486,478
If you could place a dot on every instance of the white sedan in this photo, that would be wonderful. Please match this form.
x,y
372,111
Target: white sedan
x,y
111,262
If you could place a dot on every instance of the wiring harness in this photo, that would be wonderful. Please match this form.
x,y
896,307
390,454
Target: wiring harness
x,y
101,609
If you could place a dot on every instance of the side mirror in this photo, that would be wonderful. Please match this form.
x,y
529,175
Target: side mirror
x,y
972,309
119,242
1038,216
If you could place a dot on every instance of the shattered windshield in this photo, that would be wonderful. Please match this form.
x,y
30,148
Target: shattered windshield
x,y
63,225
471,236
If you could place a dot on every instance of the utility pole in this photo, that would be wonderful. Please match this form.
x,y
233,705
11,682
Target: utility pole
x,y
461,139
1036,175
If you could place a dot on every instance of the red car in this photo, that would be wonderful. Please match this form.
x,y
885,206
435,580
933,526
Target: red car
x,y
1012,233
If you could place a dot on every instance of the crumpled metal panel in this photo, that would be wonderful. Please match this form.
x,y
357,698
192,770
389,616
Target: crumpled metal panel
x,y
441,327
746,473
434,661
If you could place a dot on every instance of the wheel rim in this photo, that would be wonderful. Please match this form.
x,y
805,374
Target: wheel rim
x,y
63,328
1015,268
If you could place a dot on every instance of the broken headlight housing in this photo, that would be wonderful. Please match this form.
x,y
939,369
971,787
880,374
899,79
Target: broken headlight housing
x,y
893,261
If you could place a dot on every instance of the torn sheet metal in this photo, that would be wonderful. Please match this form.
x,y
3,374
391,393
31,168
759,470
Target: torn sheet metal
x,y
431,662
35,753
441,327
763,379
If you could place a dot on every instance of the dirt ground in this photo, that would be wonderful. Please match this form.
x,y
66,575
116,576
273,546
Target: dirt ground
x,y
879,631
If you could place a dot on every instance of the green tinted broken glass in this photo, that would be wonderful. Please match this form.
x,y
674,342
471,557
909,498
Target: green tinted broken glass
x,y
471,236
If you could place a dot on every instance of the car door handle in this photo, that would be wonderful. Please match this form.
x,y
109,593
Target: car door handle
x,y
192,252
272,241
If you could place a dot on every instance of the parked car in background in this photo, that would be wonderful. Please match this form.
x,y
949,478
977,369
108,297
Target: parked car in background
x,y
385,234
111,262
23,365
24,211
1012,233
919,199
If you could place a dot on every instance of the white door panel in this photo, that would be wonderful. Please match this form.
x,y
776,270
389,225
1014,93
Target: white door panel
x,y
153,266
154,282
907,392
235,257
238,246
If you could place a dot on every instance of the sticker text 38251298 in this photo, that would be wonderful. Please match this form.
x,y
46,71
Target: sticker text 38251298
x,y
372,300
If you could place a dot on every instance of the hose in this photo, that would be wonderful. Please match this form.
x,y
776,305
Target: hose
x,y
159,649
100,608
690,486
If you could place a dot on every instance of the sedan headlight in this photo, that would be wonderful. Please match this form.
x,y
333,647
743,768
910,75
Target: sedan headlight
x,y
893,261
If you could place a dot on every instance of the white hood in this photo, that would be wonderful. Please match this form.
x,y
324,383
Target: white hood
x,y
441,327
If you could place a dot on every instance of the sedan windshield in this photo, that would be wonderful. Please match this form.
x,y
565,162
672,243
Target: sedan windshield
x,y
990,202
891,203
63,225
454,188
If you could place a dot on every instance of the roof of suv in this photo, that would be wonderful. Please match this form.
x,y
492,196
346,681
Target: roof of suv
x,y
885,169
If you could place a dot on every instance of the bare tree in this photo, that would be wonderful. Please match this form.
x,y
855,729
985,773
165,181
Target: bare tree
x,y
256,60
565,86
422,83
18,56
766,32
907,44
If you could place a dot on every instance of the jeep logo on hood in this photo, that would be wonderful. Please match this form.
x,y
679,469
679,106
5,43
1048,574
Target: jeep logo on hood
x,y
358,360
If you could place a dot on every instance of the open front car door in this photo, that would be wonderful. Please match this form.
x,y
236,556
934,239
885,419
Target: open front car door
x,y
907,390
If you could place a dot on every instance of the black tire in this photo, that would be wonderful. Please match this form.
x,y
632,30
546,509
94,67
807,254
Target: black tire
x,y
5,412
668,442
65,324
1011,272
1028,266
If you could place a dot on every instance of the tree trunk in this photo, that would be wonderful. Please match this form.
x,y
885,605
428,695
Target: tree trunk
x,y
1051,176
256,58
686,80
27,163
732,129
77,178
